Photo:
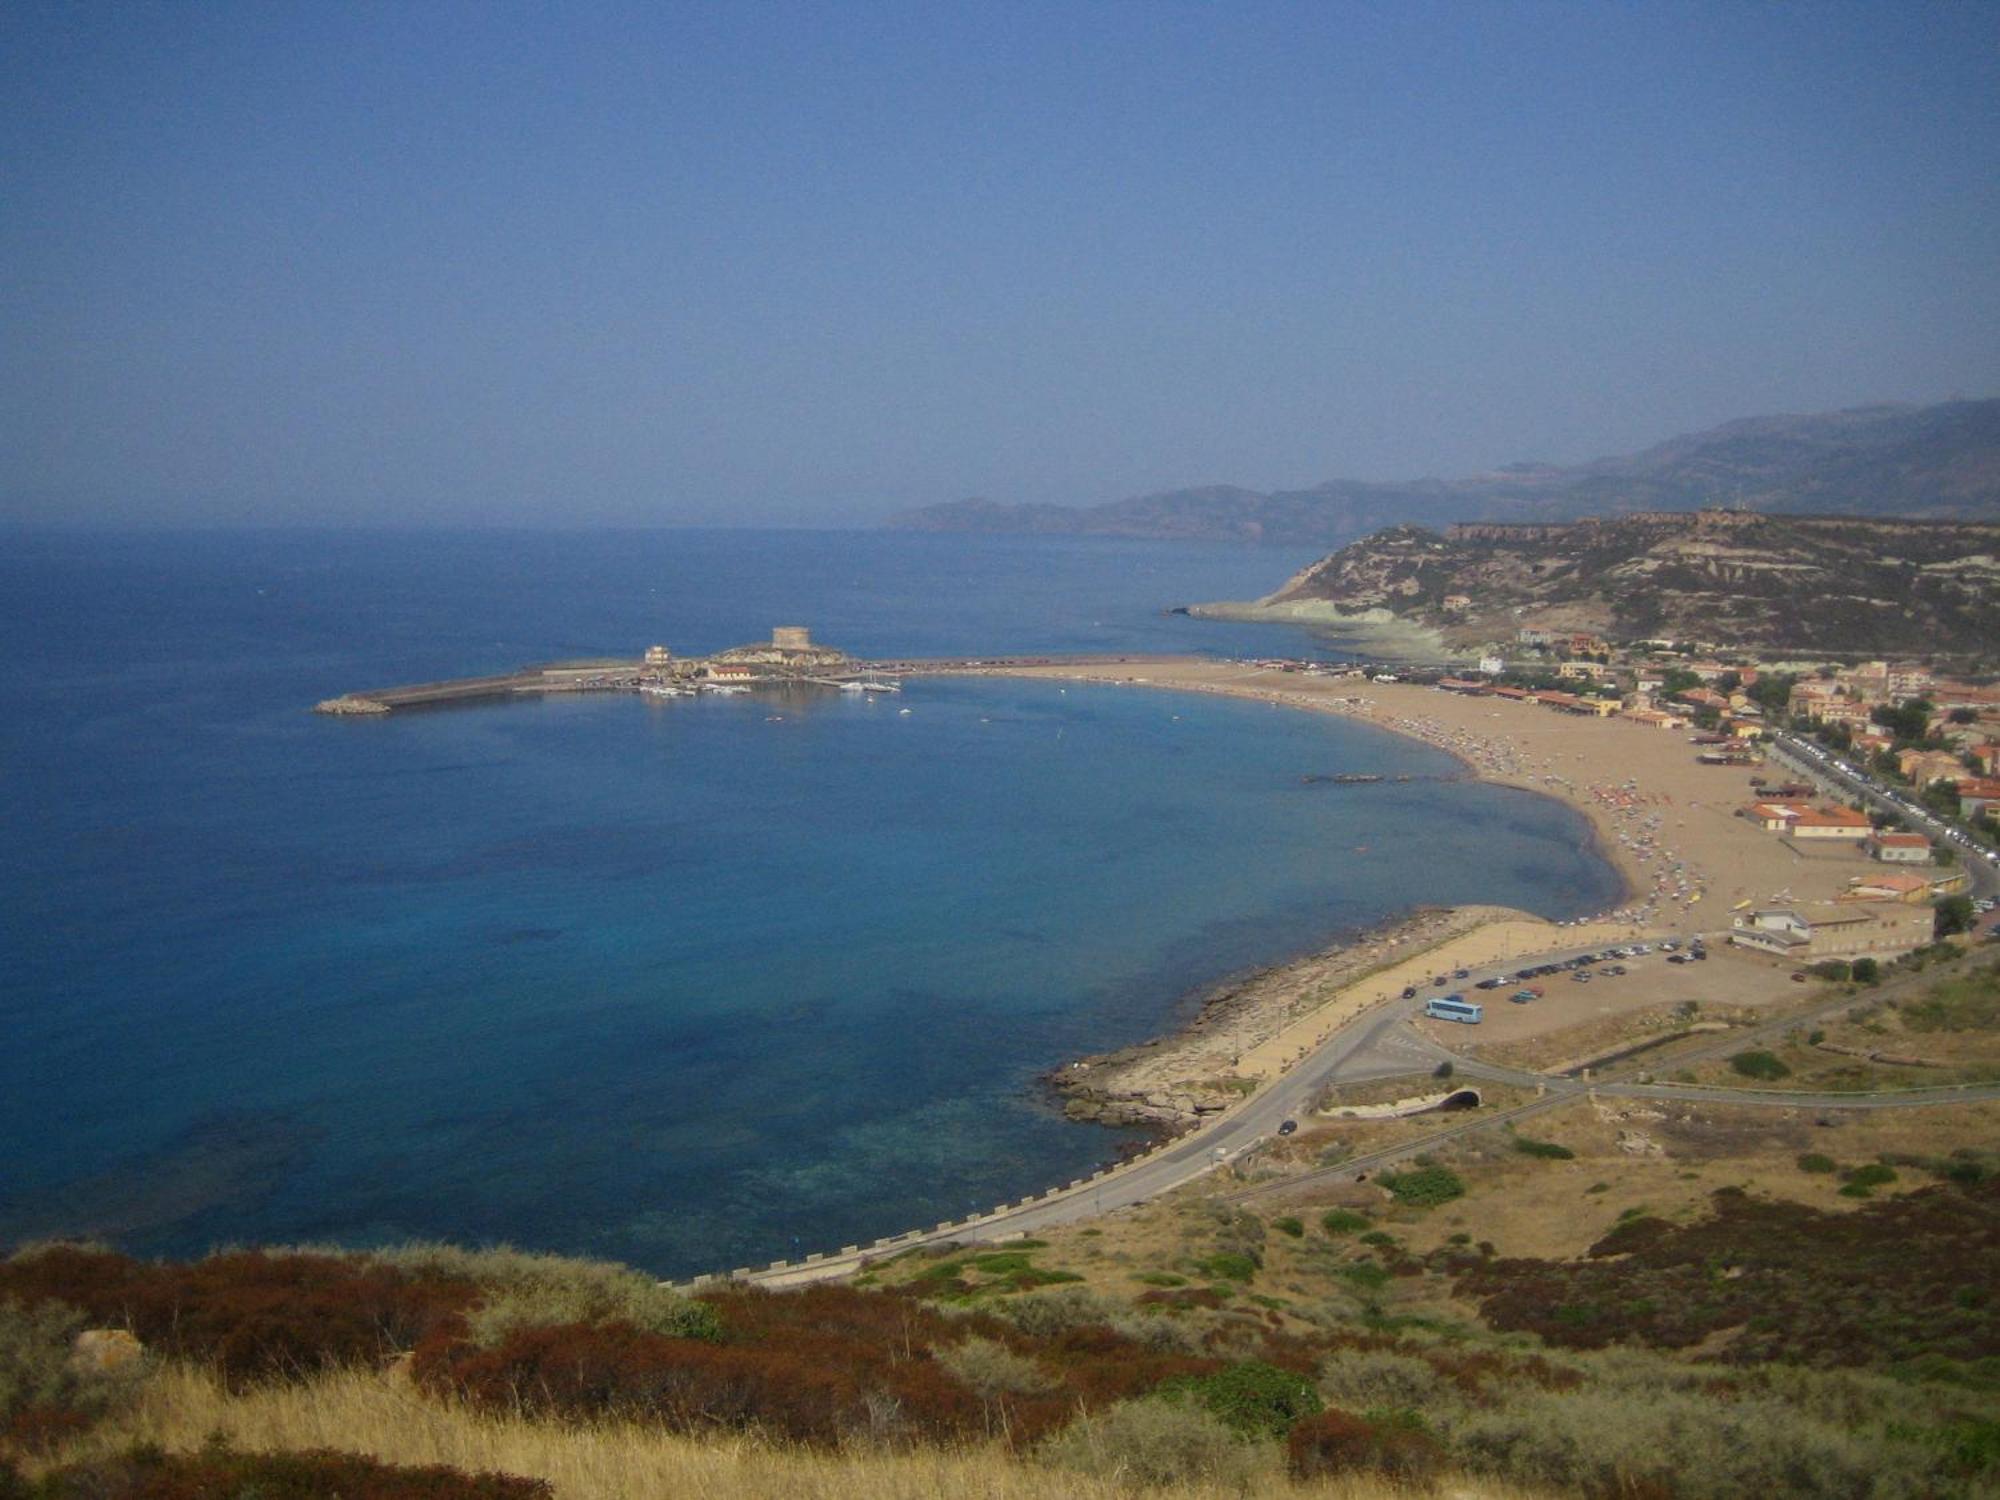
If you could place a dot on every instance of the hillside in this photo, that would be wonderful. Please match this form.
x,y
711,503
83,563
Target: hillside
x,y
1931,461
1824,583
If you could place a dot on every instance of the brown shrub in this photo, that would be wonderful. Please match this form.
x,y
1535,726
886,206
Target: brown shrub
x,y
250,1314
1339,1442
150,1475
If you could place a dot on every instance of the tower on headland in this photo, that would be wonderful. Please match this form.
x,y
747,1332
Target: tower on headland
x,y
790,648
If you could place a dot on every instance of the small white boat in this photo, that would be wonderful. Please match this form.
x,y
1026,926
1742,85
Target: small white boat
x,y
725,688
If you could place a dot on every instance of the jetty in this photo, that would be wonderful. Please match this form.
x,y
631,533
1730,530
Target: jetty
x,y
789,659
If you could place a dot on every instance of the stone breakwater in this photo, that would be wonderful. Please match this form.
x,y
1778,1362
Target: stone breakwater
x,y
1173,1082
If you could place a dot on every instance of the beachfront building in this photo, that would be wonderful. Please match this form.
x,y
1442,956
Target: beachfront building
x,y
1772,817
1806,934
658,657
1799,821
1906,886
1900,848
1656,718
1827,823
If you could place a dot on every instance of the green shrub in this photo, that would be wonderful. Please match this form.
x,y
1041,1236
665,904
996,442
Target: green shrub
x,y
1365,1275
1160,1443
1251,1397
1342,1221
1160,1278
1051,1314
1426,1187
992,1369
1862,1181
1652,1439
523,1290
1814,1161
1289,1226
1378,1237
1759,1064
1229,1265
1548,1150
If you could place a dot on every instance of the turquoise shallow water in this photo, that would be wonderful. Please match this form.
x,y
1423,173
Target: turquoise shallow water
x,y
684,982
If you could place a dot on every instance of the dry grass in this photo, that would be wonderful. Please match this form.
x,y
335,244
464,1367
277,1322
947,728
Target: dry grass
x,y
361,1413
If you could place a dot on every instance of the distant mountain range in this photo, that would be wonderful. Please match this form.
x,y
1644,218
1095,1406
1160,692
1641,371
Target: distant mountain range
x,y
1924,461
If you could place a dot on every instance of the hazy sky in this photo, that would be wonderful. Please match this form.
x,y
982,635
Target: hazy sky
x,y
583,263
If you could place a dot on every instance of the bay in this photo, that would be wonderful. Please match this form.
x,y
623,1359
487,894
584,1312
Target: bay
x,y
688,983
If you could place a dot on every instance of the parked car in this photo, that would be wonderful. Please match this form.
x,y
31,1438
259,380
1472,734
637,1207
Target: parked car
x,y
1288,1127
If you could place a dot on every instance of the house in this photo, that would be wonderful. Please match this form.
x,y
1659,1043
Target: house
x,y
1806,934
1900,848
1463,685
1492,666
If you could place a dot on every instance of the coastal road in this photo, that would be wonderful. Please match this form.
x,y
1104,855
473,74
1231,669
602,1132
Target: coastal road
x,y
1379,1043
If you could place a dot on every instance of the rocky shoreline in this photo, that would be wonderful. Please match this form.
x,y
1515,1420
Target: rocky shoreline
x,y
1172,1082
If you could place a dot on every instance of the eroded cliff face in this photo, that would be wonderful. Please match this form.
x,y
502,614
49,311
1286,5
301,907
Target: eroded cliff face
x,y
1827,583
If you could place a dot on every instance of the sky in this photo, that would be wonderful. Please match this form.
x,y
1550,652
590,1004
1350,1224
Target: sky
x,y
603,265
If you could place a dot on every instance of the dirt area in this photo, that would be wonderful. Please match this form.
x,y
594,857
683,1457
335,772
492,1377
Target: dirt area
x,y
1630,1157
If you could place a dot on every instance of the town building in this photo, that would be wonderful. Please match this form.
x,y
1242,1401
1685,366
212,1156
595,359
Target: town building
x,y
1977,795
1922,767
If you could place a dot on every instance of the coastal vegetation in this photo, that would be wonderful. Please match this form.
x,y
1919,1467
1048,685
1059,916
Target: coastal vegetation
x,y
1732,1344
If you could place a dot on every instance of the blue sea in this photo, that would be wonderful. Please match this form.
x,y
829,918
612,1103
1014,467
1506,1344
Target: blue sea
x,y
688,983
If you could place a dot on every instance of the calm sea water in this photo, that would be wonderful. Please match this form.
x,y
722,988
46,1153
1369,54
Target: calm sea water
x,y
688,983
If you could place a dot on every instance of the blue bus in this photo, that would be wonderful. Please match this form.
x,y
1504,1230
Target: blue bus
x,y
1455,1008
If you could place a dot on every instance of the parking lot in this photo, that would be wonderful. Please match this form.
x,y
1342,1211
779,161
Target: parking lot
x,y
1729,980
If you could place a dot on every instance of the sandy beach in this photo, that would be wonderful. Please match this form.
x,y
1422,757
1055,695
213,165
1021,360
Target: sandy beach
x,y
1665,821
